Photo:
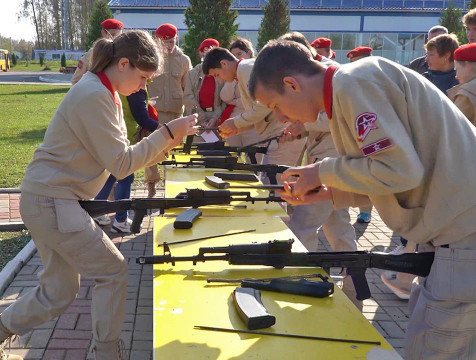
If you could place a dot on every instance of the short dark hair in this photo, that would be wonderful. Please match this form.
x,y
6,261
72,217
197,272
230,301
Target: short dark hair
x,y
244,45
214,56
278,59
297,37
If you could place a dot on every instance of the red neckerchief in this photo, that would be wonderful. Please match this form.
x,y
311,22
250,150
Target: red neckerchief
x,y
238,63
327,91
107,83
318,57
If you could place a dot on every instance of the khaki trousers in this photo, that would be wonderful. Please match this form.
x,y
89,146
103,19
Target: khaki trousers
x,y
442,323
165,117
288,153
70,244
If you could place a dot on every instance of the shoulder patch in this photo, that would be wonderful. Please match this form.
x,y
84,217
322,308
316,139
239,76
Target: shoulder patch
x,y
80,64
364,123
376,147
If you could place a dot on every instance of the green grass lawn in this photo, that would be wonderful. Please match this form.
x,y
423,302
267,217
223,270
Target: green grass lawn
x,y
25,112
11,244
34,65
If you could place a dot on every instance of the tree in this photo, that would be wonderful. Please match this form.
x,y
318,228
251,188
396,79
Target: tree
x,y
42,59
208,19
275,22
100,13
14,59
451,19
63,60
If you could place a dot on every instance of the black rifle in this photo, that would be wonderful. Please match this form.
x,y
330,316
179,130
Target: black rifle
x,y
231,163
220,149
191,198
278,255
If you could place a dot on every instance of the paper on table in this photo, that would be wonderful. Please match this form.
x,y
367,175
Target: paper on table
x,y
209,136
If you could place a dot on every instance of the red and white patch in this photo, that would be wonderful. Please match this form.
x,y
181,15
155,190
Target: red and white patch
x,y
80,64
364,123
376,147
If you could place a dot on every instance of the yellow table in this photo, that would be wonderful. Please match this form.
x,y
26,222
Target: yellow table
x,y
183,299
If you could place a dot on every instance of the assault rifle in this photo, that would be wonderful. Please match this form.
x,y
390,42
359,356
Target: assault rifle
x,y
220,149
230,163
278,255
192,198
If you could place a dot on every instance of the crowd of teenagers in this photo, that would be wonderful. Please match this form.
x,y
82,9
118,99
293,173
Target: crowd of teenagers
x,y
372,134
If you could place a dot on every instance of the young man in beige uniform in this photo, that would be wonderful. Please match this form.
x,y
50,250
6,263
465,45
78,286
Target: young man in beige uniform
x,y
222,64
409,150
193,95
111,28
86,141
167,87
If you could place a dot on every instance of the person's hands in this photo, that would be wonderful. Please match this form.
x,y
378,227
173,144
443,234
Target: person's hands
x,y
211,123
303,190
292,132
321,193
228,129
181,127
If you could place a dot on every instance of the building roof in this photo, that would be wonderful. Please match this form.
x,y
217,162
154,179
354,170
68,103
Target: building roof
x,y
304,4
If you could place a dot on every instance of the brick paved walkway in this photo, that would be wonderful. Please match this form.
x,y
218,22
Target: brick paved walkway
x,y
68,336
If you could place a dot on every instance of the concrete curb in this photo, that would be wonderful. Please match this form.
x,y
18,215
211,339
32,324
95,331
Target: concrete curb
x,y
10,191
14,266
12,226
56,79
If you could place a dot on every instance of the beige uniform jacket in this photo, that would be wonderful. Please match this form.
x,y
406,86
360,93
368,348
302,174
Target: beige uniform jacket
x,y
168,86
406,146
193,83
255,114
464,97
84,65
86,140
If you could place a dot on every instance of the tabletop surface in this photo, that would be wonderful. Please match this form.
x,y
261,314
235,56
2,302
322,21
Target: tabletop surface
x,y
184,299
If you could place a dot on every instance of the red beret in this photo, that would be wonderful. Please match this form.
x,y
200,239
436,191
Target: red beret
x,y
322,43
466,53
166,31
358,51
208,43
112,24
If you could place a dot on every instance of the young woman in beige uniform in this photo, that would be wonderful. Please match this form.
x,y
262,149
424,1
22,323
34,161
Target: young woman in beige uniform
x,y
86,141
404,146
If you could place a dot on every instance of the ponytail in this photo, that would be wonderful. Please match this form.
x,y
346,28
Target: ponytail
x,y
136,45
103,54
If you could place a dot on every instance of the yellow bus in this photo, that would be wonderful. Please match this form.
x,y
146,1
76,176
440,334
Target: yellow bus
x,y
4,60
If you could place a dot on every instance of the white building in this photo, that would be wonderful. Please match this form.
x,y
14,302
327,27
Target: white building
x,y
49,55
395,29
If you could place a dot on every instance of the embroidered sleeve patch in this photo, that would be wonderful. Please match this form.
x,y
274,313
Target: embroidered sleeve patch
x,y
364,123
80,64
376,147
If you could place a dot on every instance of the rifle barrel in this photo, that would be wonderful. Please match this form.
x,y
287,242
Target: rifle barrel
x,y
199,327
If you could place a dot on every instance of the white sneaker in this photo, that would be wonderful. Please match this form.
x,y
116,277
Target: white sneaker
x,y
121,227
102,220
399,250
390,280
